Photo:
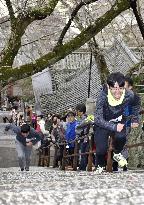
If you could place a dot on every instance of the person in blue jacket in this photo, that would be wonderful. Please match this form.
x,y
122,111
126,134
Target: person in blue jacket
x,y
70,133
128,111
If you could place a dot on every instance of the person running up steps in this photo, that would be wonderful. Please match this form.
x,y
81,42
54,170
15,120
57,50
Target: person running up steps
x,y
26,137
111,104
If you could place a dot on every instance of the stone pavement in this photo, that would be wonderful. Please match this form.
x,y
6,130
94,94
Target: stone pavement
x,y
48,186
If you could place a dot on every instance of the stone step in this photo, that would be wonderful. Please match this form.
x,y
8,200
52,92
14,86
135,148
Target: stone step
x,y
51,186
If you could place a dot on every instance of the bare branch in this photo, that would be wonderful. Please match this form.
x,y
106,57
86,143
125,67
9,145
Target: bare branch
x,y
11,11
19,27
94,48
133,4
135,67
74,13
99,59
63,50
42,12
14,43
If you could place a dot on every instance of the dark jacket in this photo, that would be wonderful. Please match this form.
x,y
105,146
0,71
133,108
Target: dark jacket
x,y
33,135
130,109
105,112
58,134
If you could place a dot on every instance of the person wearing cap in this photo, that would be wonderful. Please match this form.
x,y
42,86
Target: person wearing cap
x,y
26,137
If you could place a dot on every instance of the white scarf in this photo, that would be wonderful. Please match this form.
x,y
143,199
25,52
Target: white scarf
x,y
112,101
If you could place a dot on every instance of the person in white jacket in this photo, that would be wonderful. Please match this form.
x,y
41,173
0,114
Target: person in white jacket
x,y
41,123
44,156
40,128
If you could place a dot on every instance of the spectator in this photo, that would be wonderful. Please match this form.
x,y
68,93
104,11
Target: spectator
x,y
58,136
70,133
34,120
82,132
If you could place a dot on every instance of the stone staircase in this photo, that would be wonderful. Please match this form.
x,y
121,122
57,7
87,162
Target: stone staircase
x,y
4,114
48,186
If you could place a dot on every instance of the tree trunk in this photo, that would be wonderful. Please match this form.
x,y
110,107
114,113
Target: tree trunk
x,y
100,60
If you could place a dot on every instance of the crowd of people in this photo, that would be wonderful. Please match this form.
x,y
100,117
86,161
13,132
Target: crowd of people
x,y
115,103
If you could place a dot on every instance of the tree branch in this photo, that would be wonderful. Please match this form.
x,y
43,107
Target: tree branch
x,y
74,13
94,48
63,50
42,12
14,43
99,59
133,4
11,11
19,26
135,67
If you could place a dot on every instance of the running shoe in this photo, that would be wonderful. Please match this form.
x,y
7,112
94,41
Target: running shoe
x,y
120,159
99,170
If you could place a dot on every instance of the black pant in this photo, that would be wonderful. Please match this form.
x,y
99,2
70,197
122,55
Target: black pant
x,y
101,140
84,158
70,151
58,155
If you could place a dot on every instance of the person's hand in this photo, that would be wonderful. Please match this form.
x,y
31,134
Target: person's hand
x,y
134,125
29,144
120,127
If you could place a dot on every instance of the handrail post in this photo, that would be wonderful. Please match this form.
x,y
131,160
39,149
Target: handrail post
x,y
64,158
75,159
109,155
90,157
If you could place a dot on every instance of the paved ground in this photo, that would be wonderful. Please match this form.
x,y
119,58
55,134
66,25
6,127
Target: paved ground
x,y
52,187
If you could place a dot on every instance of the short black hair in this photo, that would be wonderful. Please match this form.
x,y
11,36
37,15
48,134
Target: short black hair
x,y
70,113
41,116
81,108
57,116
63,118
25,128
116,77
129,80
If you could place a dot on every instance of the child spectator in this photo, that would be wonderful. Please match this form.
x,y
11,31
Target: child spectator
x,y
70,133
57,134
34,120
82,132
